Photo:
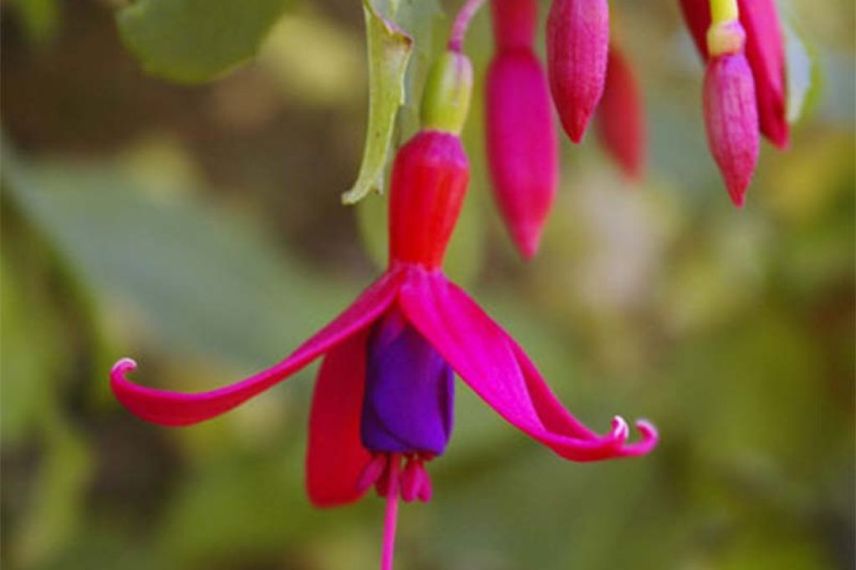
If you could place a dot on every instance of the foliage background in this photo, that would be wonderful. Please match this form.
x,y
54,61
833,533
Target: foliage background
x,y
199,229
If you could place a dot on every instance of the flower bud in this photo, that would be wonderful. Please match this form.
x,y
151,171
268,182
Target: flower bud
x,y
577,46
620,116
765,53
446,99
429,181
522,147
731,119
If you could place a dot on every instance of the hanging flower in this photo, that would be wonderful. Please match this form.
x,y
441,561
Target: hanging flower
x,y
730,114
522,147
764,52
620,117
577,46
382,405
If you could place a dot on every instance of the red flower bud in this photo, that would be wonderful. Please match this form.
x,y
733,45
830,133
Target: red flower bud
x,y
765,53
620,116
731,119
522,147
577,46
514,23
429,182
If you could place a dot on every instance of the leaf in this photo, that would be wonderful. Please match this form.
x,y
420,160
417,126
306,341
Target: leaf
x,y
40,18
801,73
59,494
389,50
196,278
190,41
422,19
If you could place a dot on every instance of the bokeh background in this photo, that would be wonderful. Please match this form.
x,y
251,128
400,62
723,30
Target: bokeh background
x,y
199,229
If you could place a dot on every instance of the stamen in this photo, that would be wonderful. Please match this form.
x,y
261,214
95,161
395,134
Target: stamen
x,y
392,483
410,480
372,472
425,488
391,516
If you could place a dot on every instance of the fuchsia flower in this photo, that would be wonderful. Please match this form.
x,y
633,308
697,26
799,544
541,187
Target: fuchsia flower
x,y
577,46
620,115
764,52
730,114
383,401
522,147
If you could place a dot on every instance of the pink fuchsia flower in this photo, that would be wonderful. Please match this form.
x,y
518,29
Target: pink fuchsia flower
x,y
730,113
620,116
577,46
764,52
522,146
382,405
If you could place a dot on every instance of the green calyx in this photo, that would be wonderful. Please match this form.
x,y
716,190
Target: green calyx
x,y
446,99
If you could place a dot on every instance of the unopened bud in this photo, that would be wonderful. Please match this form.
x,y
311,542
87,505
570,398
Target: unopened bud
x,y
446,99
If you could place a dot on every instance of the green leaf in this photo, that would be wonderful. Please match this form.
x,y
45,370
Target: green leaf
x,y
40,18
191,41
389,50
197,279
58,497
422,19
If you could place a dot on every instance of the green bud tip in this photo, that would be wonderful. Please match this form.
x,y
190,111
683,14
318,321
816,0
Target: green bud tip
x,y
446,99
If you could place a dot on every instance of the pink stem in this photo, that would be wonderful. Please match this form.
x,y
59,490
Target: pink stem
x,y
391,517
462,22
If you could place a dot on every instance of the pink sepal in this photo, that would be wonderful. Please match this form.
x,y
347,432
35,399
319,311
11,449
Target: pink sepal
x,y
492,364
170,408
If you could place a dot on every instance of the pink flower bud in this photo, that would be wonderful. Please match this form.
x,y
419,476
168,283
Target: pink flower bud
x,y
620,116
731,119
522,146
577,46
765,53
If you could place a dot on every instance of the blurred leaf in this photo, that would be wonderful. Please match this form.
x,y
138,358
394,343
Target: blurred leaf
x,y
334,72
233,510
801,73
389,50
190,41
422,19
40,17
198,279
58,495
28,335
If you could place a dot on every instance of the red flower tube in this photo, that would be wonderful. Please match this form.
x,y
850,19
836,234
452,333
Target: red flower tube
x,y
764,52
522,147
620,117
577,46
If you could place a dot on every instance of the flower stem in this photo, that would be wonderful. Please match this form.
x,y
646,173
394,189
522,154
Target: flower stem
x,y
462,23
391,516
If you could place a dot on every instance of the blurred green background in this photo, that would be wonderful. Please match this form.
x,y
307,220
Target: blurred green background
x,y
199,229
